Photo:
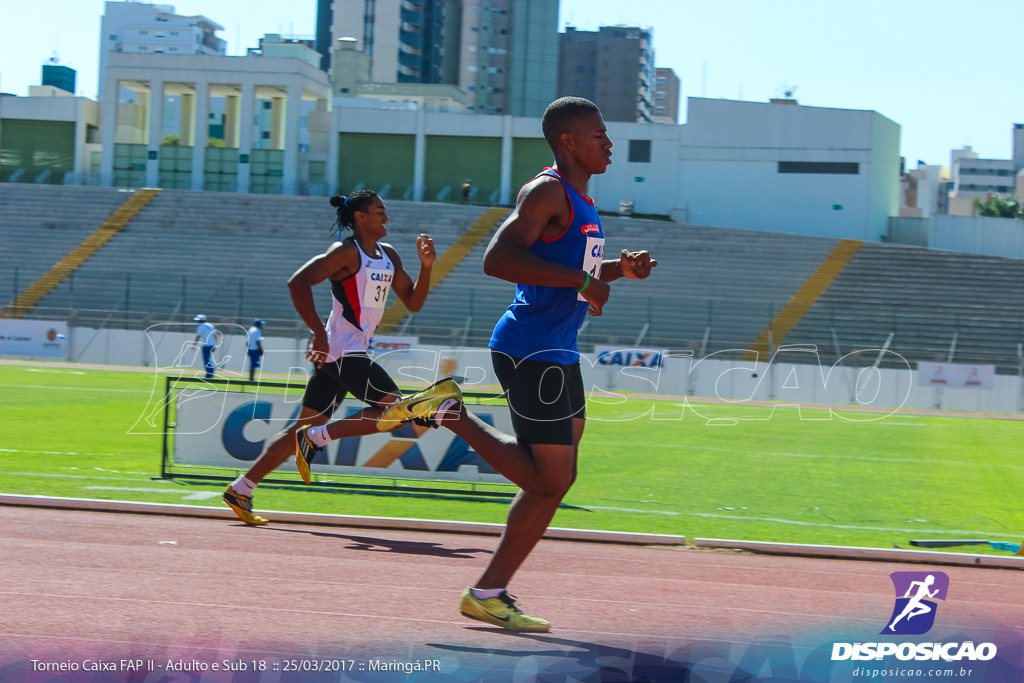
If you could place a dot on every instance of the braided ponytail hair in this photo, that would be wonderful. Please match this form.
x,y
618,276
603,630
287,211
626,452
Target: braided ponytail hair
x,y
346,208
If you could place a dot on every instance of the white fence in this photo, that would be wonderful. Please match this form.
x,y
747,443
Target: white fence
x,y
793,378
969,234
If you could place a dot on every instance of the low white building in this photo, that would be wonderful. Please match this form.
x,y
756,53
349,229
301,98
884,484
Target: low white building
x,y
975,178
788,168
133,153
49,137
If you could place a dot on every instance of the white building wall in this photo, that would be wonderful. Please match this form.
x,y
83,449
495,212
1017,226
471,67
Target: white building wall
x,y
728,168
651,186
721,168
136,27
1018,147
883,198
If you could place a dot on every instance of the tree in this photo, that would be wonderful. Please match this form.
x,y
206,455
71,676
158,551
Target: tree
x,y
999,206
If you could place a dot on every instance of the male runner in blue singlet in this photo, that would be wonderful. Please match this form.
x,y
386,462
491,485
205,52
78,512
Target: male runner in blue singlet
x,y
552,247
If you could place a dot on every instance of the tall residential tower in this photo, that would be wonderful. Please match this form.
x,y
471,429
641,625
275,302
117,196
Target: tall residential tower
x,y
613,67
502,53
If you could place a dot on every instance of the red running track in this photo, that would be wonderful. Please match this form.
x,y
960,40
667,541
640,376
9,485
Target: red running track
x,y
94,588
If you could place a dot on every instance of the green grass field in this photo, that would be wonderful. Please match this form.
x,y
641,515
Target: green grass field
x,y
771,476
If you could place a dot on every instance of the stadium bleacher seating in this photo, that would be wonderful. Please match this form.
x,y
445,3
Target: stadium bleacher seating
x,y
42,223
229,256
225,255
730,280
925,297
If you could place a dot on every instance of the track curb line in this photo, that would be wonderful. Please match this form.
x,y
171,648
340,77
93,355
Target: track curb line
x,y
281,517
835,552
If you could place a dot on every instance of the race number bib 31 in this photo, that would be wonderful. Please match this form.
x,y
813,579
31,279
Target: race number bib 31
x,y
378,284
592,259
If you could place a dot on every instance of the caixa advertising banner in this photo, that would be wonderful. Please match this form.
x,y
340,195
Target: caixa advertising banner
x,y
230,429
629,357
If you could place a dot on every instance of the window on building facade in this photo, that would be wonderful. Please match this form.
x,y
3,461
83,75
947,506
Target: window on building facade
x,y
820,167
640,151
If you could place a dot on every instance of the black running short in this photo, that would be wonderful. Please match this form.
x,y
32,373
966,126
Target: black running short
x,y
355,374
543,398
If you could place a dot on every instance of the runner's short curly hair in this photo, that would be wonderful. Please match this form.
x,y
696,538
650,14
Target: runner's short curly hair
x,y
562,113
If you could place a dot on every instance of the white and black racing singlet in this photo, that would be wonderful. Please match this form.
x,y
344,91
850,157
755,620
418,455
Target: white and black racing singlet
x,y
359,302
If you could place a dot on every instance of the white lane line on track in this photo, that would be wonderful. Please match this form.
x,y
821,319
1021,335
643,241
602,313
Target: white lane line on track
x,y
646,512
56,372
78,476
783,454
41,386
291,654
91,455
357,615
462,622
204,495
184,493
176,489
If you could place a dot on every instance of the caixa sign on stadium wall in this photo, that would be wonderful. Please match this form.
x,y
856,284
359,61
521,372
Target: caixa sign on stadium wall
x,y
629,357
226,429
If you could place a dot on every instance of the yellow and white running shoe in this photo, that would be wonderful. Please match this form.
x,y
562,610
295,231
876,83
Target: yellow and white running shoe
x,y
421,405
501,611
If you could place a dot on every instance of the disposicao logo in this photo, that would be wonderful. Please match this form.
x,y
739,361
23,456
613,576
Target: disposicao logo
x,y
915,608
914,614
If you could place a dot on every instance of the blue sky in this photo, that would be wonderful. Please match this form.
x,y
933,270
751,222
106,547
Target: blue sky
x,y
947,71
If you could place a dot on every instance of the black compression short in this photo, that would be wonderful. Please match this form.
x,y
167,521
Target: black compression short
x,y
355,374
543,397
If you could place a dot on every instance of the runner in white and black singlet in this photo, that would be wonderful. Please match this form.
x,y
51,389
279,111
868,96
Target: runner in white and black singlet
x,y
362,271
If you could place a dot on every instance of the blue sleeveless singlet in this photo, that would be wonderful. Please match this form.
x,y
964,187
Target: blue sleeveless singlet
x,y
543,322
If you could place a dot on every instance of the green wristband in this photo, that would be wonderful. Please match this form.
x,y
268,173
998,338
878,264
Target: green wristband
x,y
585,283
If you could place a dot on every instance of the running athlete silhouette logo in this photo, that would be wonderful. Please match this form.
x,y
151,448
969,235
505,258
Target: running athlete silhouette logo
x,y
914,614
